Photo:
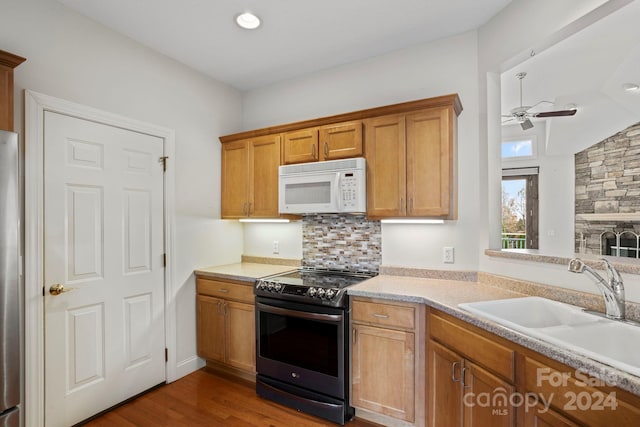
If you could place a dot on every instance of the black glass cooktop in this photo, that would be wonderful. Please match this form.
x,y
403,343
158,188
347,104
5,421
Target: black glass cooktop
x,y
321,278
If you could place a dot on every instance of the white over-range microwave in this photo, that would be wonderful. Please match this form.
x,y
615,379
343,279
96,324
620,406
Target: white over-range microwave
x,y
334,186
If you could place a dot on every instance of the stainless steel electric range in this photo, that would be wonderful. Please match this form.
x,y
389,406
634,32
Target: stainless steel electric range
x,y
302,352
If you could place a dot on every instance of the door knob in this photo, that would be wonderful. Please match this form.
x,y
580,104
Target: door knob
x,y
57,289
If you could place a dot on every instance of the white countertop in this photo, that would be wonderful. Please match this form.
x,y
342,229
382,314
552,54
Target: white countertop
x,y
242,271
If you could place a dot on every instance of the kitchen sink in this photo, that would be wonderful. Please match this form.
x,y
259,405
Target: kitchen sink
x,y
611,342
530,312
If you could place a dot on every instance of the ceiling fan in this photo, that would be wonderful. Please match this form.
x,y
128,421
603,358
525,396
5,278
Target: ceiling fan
x,y
522,115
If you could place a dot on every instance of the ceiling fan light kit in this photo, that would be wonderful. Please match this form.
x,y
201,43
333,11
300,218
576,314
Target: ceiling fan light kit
x,y
523,116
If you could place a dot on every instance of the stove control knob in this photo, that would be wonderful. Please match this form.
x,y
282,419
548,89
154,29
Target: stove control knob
x,y
330,293
270,286
262,285
312,292
278,286
321,293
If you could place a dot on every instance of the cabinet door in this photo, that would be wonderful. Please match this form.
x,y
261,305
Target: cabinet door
x,y
235,179
210,328
430,158
485,398
444,397
300,146
341,141
383,371
386,173
241,337
536,415
264,159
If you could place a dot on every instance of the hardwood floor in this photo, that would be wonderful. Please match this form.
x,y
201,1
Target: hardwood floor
x,y
204,398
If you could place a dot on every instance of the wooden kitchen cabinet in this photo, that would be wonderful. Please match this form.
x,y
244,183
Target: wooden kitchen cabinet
x,y
250,177
467,374
300,146
575,398
8,61
411,161
226,323
331,142
387,374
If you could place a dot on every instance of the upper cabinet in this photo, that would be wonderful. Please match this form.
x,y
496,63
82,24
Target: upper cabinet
x,y
8,62
250,177
411,161
410,150
336,141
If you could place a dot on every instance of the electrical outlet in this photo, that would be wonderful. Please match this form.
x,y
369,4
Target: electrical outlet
x,y
276,247
448,255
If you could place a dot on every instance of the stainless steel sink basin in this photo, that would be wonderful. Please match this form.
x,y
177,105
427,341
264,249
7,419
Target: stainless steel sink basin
x,y
608,341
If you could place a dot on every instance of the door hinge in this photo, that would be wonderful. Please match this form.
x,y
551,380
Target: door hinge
x,y
43,291
163,159
164,260
166,354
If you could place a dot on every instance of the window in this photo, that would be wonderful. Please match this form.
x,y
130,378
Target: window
x,y
519,149
520,208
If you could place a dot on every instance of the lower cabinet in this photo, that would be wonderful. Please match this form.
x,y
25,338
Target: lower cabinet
x,y
226,323
564,396
387,374
475,378
462,388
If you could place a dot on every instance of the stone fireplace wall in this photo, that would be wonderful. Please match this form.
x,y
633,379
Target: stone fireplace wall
x,y
607,178
344,242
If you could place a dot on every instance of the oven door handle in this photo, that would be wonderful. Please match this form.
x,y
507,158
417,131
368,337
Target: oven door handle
x,y
300,314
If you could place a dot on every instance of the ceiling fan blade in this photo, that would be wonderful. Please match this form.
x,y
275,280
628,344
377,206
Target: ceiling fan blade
x,y
558,113
508,120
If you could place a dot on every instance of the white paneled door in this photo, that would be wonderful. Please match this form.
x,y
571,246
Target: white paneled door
x,y
103,242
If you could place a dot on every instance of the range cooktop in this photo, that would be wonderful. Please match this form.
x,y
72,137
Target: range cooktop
x,y
315,286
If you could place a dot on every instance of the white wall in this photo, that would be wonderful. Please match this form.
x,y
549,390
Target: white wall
x,y
433,69
74,58
259,238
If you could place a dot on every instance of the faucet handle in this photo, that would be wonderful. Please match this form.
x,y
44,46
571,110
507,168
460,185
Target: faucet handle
x,y
615,280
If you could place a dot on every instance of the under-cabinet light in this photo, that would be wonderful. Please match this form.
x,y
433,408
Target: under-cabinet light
x,y
412,221
273,220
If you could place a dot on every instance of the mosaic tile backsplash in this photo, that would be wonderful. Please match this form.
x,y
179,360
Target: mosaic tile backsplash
x,y
344,242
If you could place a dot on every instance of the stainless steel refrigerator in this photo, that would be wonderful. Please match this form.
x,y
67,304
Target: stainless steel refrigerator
x,y
9,281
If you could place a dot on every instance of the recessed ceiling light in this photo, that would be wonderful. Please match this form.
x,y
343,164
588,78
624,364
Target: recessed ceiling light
x,y
248,21
631,87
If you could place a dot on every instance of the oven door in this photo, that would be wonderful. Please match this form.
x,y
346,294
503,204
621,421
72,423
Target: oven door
x,y
302,345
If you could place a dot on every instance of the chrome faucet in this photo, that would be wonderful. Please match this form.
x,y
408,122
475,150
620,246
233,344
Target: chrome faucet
x,y
612,290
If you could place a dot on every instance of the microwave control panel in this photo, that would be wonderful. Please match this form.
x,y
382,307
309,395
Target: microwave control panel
x,y
349,188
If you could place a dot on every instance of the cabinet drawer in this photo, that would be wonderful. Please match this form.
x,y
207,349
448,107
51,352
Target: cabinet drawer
x,y
226,290
577,395
479,349
383,314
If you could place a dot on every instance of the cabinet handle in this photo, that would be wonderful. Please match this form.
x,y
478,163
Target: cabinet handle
x,y
380,316
244,209
219,311
464,371
326,149
355,332
401,205
313,151
453,372
249,210
411,205
224,291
